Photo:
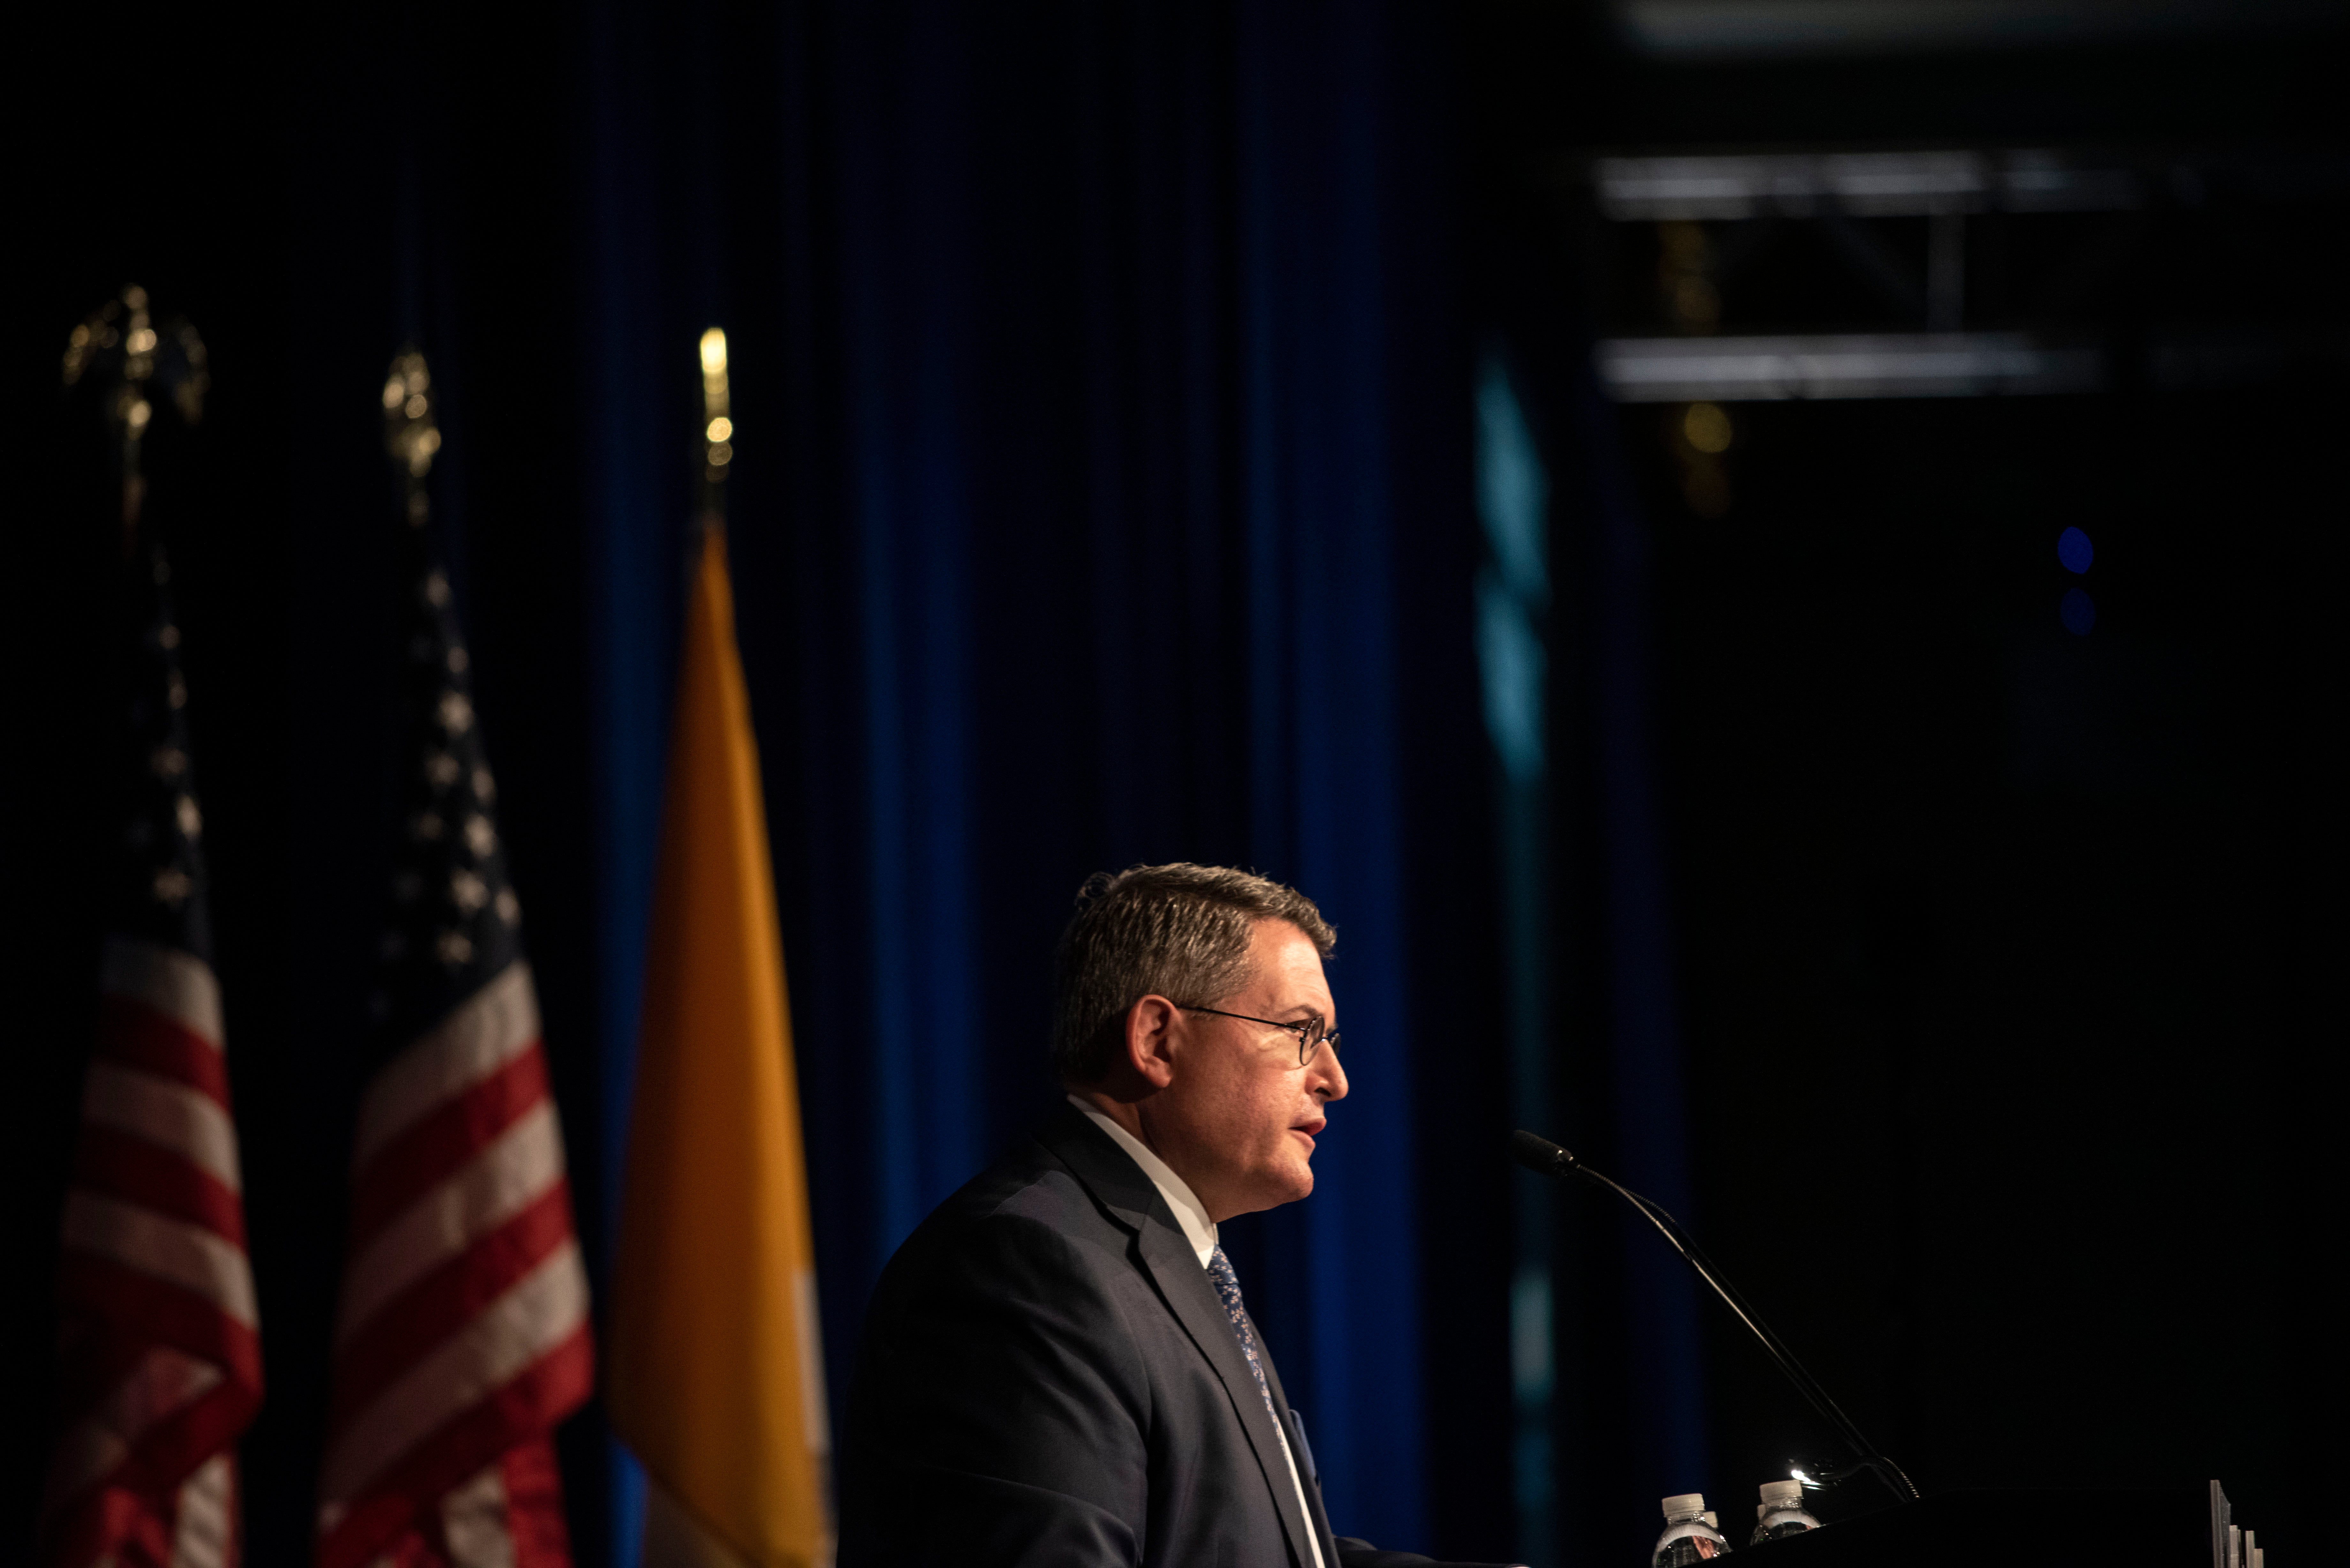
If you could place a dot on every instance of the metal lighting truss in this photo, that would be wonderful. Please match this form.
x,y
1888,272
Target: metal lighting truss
x,y
1841,193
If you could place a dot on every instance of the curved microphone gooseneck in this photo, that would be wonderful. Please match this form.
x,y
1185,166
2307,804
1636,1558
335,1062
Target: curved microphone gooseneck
x,y
1545,1158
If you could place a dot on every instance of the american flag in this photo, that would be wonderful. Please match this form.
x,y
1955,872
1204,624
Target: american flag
x,y
160,1356
463,1336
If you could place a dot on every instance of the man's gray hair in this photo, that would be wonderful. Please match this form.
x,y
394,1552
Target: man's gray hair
x,y
1180,932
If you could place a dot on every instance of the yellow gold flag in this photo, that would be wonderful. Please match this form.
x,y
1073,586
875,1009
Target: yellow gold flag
x,y
716,1378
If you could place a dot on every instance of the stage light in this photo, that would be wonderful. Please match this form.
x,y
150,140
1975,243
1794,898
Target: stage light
x,y
2073,548
1706,428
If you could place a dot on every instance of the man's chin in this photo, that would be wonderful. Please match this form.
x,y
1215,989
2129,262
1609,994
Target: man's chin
x,y
1287,1183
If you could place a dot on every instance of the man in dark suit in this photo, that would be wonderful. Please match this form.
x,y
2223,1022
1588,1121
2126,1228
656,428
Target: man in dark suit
x,y
1057,1366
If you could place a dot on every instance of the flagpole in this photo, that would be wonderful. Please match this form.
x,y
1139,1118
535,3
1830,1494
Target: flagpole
x,y
151,1474
459,1348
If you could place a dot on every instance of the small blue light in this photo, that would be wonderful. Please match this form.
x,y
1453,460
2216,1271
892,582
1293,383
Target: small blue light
x,y
2078,612
2073,548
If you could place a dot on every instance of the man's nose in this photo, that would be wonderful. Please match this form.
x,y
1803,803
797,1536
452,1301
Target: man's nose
x,y
1330,1074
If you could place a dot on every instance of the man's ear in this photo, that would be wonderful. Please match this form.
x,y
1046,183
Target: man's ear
x,y
1150,1028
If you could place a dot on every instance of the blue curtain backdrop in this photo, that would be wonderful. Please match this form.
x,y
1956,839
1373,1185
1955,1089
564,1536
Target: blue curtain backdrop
x,y
1100,421
1107,493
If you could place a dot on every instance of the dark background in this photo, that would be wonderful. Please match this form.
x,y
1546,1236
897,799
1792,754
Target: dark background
x,y
1996,953
2000,948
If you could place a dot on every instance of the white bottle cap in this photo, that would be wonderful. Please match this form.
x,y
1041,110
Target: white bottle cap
x,y
1687,1505
1784,1493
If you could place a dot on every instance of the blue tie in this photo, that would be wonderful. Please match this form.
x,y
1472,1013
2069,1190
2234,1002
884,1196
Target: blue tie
x,y
1228,1285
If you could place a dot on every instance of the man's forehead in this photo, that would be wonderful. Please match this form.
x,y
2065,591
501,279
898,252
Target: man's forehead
x,y
1290,970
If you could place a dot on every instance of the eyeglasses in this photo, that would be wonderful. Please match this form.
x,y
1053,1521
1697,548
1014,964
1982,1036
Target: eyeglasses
x,y
1308,1031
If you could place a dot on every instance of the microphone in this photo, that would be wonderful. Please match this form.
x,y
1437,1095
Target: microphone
x,y
1545,1158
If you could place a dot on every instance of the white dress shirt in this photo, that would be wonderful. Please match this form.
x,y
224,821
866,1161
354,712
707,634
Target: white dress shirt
x,y
1200,1232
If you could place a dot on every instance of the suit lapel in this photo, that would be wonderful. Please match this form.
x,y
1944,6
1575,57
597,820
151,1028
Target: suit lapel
x,y
1129,1197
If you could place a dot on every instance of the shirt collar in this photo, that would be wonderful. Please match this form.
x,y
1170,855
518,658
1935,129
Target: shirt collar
x,y
1189,1212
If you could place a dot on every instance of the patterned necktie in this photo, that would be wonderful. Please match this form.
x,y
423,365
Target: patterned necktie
x,y
1228,1285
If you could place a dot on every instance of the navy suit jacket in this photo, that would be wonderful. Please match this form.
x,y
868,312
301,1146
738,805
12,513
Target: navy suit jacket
x,y
1048,1378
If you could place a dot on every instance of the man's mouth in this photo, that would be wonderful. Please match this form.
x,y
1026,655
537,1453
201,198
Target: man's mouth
x,y
1307,1129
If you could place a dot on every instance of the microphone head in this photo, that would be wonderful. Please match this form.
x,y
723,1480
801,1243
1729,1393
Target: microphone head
x,y
1540,1155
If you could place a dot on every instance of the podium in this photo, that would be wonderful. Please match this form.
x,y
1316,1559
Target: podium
x,y
2152,1527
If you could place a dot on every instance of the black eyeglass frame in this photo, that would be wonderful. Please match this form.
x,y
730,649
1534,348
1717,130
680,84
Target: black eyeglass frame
x,y
1309,1030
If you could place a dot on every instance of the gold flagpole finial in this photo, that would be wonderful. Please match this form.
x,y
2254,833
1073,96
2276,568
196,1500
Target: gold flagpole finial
x,y
119,346
717,428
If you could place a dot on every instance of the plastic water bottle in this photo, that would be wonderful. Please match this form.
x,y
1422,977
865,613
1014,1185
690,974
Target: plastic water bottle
x,y
1689,1537
1781,1512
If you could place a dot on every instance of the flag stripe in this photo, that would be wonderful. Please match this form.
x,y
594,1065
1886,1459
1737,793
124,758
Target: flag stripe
x,y
547,1306
151,1243
135,1035
534,1523
489,1029
177,985
349,1537
163,1313
169,1452
171,1116
204,1533
437,1305
509,1514
159,1384
433,1147
496,1184
118,1166
473,1521
530,1401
